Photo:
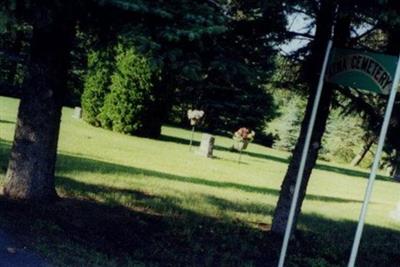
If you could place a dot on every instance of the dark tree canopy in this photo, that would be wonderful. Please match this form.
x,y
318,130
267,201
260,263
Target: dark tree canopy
x,y
222,51
209,56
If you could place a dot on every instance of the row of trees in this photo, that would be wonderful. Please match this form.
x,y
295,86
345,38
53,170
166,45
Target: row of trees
x,y
125,101
346,140
144,61
215,55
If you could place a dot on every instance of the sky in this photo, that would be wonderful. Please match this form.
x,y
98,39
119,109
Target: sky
x,y
297,23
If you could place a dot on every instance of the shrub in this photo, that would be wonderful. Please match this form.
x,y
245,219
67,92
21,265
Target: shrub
x,y
128,106
96,86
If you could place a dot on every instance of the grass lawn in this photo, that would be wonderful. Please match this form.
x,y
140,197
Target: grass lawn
x,y
140,202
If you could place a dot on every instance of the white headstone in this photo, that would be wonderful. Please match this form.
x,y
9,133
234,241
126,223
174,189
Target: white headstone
x,y
77,113
207,145
395,214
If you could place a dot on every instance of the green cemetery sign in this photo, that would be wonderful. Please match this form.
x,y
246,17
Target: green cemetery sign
x,y
363,70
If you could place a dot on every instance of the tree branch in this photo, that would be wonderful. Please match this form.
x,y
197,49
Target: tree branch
x,y
359,37
224,10
302,34
361,104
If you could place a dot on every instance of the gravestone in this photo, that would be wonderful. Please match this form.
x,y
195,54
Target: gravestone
x,y
77,113
395,214
206,145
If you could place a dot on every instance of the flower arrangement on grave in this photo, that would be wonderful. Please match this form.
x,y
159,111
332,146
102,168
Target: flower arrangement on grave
x,y
194,117
242,138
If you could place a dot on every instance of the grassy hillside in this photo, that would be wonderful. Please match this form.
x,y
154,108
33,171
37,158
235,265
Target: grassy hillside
x,y
131,200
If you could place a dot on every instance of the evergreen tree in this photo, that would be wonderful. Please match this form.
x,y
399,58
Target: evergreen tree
x,y
30,173
343,136
286,128
168,34
234,66
97,84
126,107
215,57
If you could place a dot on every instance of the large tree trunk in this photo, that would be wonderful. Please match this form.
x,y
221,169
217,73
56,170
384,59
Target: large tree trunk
x,y
16,49
281,213
324,22
30,174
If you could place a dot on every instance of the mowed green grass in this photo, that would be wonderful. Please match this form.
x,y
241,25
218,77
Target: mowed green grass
x,y
163,178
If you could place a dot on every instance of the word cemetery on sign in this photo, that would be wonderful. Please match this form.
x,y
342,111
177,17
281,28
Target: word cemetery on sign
x,y
363,70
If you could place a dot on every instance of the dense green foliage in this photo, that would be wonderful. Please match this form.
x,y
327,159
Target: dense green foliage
x,y
233,68
98,80
126,107
211,57
286,127
345,134
343,137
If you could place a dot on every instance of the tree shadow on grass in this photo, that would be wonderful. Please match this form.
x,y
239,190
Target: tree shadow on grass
x,y
177,140
351,172
331,240
284,160
7,121
321,166
76,229
72,163
239,206
79,230
325,242
157,230
184,141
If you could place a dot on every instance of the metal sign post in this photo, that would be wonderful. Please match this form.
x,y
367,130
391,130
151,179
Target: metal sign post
x,y
375,165
304,157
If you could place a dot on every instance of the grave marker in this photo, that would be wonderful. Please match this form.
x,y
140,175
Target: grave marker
x,y
206,145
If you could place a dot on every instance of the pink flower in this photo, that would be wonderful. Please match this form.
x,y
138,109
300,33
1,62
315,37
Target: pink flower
x,y
244,134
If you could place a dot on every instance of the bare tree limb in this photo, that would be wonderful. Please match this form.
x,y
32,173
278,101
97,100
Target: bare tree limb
x,y
302,34
360,103
223,8
360,36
